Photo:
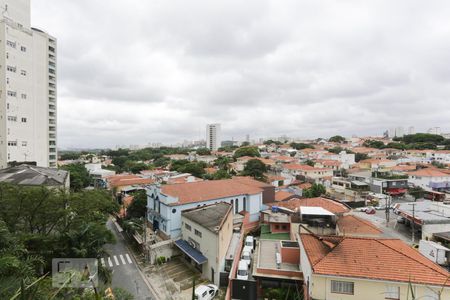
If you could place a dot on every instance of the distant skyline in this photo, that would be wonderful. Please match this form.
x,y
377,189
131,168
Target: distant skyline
x,y
158,71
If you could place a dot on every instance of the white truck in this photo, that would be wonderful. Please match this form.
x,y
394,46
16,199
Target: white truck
x,y
434,251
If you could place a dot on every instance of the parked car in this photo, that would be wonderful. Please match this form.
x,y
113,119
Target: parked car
x,y
206,292
242,272
363,209
400,220
370,211
246,256
249,243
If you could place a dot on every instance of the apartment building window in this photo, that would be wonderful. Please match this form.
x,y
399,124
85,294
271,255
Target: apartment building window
x,y
24,120
7,80
12,94
12,143
23,48
392,292
7,55
24,143
23,96
236,207
12,118
198,233
23,72
7,105
342,287
187,226
11,69
11,44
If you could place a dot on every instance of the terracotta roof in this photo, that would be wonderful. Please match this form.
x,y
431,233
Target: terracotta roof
x,y
328,162
372,258
350,224
275,178
429,172
299,167
283,195
128,179
328,204
210,190
404,168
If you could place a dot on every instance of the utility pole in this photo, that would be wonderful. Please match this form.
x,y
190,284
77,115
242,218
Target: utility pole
x,y
414,217
145,235
387,209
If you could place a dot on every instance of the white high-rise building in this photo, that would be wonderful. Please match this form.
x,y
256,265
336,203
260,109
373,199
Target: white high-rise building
x,y
213,138
27,88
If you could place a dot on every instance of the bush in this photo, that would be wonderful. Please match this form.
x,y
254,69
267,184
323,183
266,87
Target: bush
x,y
160,260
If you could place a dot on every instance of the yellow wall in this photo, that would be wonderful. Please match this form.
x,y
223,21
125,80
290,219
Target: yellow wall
x,y
369,290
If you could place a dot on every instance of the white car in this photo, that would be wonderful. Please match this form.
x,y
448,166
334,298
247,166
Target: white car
x,y
249,243
242,272
206,292
246,256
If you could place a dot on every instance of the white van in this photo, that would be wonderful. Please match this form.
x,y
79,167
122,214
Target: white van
x,y
246,256
249,243
242,272
206,292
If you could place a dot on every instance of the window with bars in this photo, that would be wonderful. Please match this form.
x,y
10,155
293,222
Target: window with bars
x,y
342,287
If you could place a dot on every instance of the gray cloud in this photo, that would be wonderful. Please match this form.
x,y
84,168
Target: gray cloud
x,y
138,71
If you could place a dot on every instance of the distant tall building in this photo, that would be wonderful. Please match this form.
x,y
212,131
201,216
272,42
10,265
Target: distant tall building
x,y
399,131
411,130
434,130
213,138
27,88
247,138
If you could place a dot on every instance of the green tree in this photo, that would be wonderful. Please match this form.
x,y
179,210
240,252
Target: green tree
x,y
221,174
337,139
203,151
438,164
373,144
256,169
309,162
316,190
247,151
79,176
417,192
300,146
138,206
336,150
223,162
360,156
270,142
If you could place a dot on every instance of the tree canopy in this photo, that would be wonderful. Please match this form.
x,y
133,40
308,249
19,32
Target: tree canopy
x,y
300,146
255,168
316,190
337,139
247,151
38,224
79,176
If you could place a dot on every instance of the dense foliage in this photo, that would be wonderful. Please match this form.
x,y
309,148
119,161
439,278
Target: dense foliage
x,y
38,224
337,139
247,151
300,146
316,190
79,176
256,169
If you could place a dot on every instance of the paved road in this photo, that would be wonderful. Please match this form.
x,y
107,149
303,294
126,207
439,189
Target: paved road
x,y
126,274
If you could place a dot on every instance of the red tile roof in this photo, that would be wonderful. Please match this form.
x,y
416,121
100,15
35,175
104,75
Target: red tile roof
x,y
128,179
213,189
372,258
353,225
428,172
328,204
283,195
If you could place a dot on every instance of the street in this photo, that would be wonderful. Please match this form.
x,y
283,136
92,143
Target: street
x,y
126,274
395,230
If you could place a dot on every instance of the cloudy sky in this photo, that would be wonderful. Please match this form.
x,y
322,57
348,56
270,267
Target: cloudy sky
x,y
139,71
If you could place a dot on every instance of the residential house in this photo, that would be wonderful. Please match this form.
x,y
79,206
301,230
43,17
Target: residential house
x,y
430,179
369,268
166,202
206,233
308,172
